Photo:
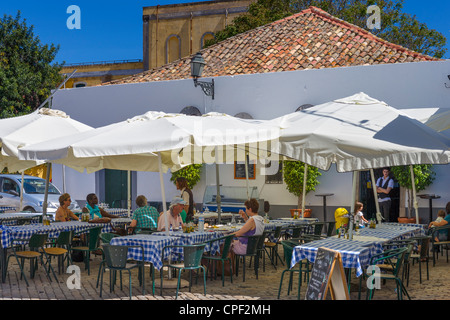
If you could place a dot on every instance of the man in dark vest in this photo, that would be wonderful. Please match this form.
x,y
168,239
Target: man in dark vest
x,y
384,186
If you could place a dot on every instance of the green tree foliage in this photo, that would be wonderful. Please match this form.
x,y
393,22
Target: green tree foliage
x,y
26,73
293,173
192,173
396,26
423,177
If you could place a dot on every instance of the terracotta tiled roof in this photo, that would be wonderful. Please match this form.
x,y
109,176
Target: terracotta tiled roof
x,y
310,39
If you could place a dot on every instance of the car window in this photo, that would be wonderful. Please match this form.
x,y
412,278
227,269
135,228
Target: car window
x,y
37,186
9,185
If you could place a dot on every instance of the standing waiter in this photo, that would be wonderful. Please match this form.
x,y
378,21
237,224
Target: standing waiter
x,y
186,194
384,186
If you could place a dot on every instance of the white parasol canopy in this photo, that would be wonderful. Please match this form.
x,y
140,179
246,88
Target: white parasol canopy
x,y
359,133
41,125
134,144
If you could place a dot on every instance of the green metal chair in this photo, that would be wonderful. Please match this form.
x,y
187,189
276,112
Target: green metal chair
x,y
192,256
439,245
288,247
223,257
36,245
394,257
331,231
252,251
116,260
271,248
92,245
318,227
61,249
422,254
106,237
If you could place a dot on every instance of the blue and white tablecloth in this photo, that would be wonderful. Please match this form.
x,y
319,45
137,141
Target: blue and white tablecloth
x,y
119,212
193,238
153,246
53,230
11,219
355,254
7,208
393,231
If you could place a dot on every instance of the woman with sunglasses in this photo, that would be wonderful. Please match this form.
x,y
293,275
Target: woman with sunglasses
x,y
63,213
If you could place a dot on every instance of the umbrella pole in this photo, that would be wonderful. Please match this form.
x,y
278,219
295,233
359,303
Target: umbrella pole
x,y
129,193
375,194
246,174
305,178
218,198
64,178
47,181
163,194
413,184
21,192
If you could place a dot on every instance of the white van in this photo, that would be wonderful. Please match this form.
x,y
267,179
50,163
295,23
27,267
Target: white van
x,y
33,194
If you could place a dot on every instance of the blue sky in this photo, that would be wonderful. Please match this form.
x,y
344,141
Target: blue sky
x,y
112,30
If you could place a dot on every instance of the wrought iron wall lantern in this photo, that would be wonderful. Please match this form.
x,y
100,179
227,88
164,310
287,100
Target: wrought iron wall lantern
x,y
197,65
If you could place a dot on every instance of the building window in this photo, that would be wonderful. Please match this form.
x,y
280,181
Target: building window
x,y
79,84
173,48
205,37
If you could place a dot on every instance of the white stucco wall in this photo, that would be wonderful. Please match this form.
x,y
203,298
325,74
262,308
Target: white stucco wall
x,y
264,96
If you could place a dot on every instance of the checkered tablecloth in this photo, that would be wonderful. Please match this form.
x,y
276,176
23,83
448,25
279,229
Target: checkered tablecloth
x,y
7,208
355,254
26,231
153,246
393,231
193,238
119,212
11,219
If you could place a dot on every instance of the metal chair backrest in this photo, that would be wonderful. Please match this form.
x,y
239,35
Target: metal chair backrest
x,y
288,248
331,231
107,236
93,237
318,226
277,233
193,255
424,247
65,238
37,240
227,246
296,232
115,256
252,244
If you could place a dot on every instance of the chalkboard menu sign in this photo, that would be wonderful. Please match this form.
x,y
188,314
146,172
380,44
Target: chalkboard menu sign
x,y
327,275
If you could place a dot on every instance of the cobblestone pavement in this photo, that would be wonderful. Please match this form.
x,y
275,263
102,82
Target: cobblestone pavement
x,y
263,288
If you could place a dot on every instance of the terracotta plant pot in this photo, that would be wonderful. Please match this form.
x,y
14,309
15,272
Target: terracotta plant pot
x,y
406,220
307,213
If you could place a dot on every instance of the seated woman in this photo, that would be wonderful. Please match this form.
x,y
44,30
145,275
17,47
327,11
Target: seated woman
x,y
442,235
96,214
63,213
145,216
254,226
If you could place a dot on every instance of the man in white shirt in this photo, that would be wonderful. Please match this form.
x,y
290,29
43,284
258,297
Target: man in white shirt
x,y
384,186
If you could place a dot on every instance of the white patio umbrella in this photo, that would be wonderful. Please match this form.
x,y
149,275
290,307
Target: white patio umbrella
x,y
35,127
133,144
359,133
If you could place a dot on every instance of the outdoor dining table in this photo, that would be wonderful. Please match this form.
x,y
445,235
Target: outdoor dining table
x,y
9,233
3,209
153,246
194,238
11,219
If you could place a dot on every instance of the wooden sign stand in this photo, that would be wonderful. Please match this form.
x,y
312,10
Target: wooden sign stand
x,y
327,275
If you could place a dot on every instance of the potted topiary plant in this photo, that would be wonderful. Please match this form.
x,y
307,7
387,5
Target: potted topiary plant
x,y
423,177
293,173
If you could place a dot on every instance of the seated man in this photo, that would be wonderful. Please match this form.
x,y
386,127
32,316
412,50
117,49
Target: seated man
x,y
145,216
96,214
173,215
